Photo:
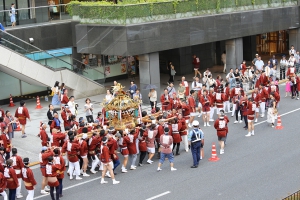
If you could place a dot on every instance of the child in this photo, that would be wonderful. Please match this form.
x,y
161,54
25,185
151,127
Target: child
x,y
287,88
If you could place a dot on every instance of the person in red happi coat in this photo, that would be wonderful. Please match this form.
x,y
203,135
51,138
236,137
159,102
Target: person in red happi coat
x,y
22,114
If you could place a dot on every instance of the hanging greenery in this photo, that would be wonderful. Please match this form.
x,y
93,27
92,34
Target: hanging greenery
x,y
108,12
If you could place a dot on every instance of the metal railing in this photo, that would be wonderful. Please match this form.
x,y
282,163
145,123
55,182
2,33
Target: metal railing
x,y
32,15
294,196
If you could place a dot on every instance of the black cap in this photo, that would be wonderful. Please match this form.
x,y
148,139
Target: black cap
x,y
166,129
26,161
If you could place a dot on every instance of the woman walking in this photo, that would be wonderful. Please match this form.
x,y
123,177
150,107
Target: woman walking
x,y
56,94
88,107
153,98
12,14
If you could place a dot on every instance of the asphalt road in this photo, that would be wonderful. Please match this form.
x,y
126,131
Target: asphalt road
x,y
264,166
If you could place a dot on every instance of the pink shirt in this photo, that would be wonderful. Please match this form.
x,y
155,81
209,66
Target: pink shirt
x,y
166,141
151,138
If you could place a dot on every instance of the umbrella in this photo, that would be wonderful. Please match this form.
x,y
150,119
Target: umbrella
x,y
149,87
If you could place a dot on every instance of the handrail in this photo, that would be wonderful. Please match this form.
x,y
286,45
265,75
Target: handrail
x,y
13,44
58,69
35,7
87,66
34,47
5,32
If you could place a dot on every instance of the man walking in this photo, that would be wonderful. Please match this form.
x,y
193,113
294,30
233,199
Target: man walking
x,y
166,142
196,142
222,129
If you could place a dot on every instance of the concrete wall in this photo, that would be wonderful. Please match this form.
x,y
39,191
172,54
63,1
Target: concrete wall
x,y
47,36
164,35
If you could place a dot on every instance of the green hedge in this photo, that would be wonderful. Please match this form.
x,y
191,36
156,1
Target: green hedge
x,y
129,9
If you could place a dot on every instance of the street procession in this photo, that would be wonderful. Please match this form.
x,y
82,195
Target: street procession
x,y
122,135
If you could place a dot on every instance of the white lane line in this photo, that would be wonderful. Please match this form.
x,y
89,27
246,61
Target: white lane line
x,y
159,195
162,194
72,186
280,115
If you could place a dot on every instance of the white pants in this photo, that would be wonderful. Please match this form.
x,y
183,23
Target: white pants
x,y
4,195
233,109
137,146
30,195
224,67
18,193
66,159
95,163
132,158
262,106
226,104
211,112
185,141
74,166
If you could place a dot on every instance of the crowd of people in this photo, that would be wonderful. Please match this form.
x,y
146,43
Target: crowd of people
x,y
90,144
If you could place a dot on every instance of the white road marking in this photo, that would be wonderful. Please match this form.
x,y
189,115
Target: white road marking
x,y
72,186
159,195
280,115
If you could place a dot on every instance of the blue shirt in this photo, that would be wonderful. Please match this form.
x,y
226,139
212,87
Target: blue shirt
x,y
199,131
133,88
2,27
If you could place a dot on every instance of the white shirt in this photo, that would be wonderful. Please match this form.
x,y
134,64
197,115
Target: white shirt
x,y
259,64
108,98
292,51
198,86
292,61
283,62
153,97
72,107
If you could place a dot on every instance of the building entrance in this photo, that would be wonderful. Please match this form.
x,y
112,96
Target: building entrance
x,y
272,43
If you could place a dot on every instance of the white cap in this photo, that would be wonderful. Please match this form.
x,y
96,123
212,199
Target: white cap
x,y
195,123
84,136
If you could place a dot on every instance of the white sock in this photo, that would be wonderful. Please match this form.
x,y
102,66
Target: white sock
x,y
253,132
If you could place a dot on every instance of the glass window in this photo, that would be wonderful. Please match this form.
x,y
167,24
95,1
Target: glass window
x,y
23,14
2,13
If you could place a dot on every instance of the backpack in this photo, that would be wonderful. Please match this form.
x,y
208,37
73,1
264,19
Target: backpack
x,y
240,67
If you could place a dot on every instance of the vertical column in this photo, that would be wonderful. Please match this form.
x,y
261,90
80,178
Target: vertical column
x,y
234,53
42,14
294,38
149,74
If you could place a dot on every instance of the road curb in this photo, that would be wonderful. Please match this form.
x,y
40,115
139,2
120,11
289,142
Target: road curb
x,y
33,164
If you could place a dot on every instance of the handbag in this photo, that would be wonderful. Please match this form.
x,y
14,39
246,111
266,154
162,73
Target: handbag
x,y
55,9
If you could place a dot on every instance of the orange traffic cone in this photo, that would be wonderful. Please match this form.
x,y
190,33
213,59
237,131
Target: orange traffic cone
x,y
214,156
18,126
11,102
279,126
38,104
